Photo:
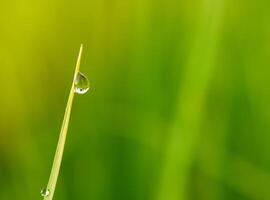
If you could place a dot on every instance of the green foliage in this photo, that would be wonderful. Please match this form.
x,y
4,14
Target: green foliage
x,y
178,106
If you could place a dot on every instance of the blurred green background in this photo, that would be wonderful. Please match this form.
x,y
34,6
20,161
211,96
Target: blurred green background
x,y
178,107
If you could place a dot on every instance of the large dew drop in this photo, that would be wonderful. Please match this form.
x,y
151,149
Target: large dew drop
x,y
81,84
45,192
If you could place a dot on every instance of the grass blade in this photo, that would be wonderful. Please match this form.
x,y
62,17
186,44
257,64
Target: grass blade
x,y
62,138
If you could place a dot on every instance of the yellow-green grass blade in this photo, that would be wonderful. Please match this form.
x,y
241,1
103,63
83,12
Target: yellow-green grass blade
x,y
62,138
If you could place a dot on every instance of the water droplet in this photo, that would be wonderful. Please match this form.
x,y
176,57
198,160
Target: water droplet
x,y
81,84
45,192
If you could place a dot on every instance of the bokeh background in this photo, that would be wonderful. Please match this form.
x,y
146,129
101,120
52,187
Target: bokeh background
x,y
178,107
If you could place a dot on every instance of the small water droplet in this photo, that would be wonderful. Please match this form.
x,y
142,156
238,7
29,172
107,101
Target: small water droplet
x,y
45,192
81,84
